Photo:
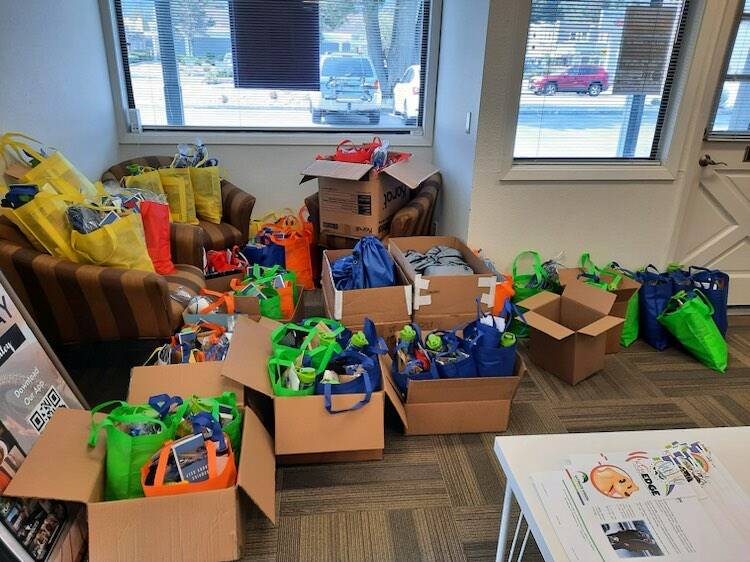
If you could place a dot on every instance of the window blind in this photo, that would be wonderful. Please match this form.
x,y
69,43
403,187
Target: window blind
x,y
597,78
275,64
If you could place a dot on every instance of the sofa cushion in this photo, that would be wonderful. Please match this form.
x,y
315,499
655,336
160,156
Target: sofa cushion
x,y
220,236
189,277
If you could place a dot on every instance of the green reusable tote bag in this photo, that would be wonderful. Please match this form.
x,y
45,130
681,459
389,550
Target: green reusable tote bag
x,y
126,454
302,339
234,428
632,312
277,364
688,317
526,285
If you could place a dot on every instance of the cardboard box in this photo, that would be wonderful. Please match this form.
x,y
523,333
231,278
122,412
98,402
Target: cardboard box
x,y
357,201
247,306
569,331
470,405
381,305
304,431
445,301
200,527
626,289
220,281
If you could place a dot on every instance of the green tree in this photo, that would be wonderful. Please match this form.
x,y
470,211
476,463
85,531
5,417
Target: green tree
x,y
191,19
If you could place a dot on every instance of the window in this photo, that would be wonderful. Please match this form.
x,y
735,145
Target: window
x,y
268,65
732,106
597,78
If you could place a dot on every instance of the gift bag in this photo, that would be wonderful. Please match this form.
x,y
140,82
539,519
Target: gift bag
x,y
53,169
206,184
44,222
148,179
452,355
414,362
217,479
368,342
315,346
688,317
527,285
493,357
226,401
127,452
297,258
156,230
121,243
630,327
179,192
285,359
345,364
654,294
369,266
714,284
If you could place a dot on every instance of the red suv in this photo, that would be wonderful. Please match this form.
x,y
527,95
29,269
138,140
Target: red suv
x,y
584,79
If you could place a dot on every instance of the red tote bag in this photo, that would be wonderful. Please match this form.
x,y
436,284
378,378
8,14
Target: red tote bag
x,y
155,217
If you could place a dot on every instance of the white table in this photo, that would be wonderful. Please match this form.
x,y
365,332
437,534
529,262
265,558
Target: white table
x,y
522,455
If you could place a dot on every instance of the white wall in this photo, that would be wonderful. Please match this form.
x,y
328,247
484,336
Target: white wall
x,y
459,90
631,221
55,83
270,173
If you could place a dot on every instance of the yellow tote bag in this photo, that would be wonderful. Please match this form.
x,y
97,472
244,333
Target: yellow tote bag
x,y
206,184
179,191
118,244
55,170
269,218
44,222
150,181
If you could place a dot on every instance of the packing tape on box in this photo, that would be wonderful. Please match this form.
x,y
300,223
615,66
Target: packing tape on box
x,y
338,304
409,298
421,284
491,282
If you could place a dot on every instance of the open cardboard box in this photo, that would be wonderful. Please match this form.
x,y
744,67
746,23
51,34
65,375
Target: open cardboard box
x,y
568,335
468,405
445,301
200,527
625,290
303,430
388,307
357,201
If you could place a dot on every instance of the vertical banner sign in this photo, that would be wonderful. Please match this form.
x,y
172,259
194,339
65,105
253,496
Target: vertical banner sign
x,y
33,384
647,37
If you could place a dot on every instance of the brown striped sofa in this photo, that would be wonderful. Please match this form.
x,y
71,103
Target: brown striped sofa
x,y
413,219
237,207
87,303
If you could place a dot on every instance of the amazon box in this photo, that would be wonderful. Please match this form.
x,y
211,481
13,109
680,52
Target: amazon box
x,y
569,331
388,307
445,301
195,527
304,431
461,405
356,200
626,288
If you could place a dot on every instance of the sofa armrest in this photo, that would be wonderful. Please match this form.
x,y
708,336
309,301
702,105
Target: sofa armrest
x,y
237,207
84,303
186,244
415,218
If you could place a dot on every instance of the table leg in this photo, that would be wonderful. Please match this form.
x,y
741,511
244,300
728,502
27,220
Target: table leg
x,y
523,544
504,521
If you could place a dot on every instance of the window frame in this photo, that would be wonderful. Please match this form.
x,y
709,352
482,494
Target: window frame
x,y
129,133
636,168
727,136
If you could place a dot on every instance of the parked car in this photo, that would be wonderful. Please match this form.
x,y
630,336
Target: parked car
x,y
406,94
584,79
348,86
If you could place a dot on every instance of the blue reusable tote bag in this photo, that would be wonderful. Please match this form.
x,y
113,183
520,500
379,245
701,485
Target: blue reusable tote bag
x,y
367,383
411,371
656,290
463,367
714,285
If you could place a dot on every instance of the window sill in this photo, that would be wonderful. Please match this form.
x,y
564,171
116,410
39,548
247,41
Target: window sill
x,y
587,172
272,138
